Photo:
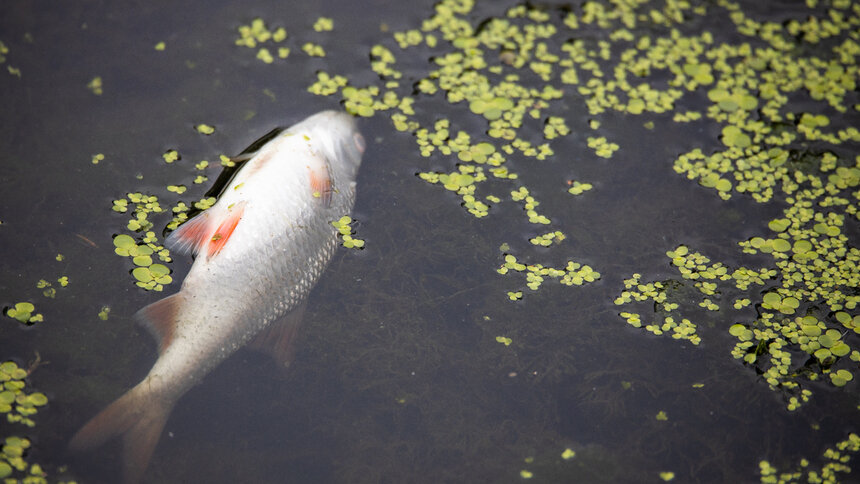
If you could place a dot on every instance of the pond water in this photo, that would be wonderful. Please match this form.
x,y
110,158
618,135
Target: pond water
x,y
418,360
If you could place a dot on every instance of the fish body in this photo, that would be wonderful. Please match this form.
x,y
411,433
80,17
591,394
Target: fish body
x,y
260,249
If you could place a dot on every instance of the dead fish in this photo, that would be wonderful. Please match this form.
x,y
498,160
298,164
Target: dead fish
x,y
260,249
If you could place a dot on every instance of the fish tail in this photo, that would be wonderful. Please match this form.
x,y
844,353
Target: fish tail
x,y
135,416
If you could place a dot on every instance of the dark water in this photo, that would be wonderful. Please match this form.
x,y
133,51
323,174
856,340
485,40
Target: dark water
x,y
397,377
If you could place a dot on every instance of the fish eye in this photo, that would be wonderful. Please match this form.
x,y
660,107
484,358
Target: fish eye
x,y
359,142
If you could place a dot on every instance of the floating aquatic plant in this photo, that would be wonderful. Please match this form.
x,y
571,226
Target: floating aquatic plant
x,y
19,406
148,275
95,85
346,233
23,312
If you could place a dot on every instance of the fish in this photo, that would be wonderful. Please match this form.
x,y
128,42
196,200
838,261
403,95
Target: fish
x,y
259,250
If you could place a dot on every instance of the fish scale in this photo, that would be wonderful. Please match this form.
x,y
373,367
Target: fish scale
x,y
260,249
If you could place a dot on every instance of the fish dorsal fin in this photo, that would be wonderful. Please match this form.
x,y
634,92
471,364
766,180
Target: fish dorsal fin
x,y
210,230
225,229
160,319
320,178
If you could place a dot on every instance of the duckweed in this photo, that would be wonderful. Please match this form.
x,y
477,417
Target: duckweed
x,y
24,313
95,85
323,24
147,274
572,274
18,405
548,239
313,50
170,156
578,188
486,70
257,34
346,233
837,458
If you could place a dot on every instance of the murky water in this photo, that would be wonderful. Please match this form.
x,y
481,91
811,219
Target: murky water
x,y
398,375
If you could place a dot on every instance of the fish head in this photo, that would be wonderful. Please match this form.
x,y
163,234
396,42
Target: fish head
x,y
335,134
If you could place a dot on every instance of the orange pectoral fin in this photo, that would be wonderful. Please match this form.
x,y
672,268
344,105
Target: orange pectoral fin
x,y
190,236
225,229
320,181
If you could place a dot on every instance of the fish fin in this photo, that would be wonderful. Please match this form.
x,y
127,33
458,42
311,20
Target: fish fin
x,y
225,229
191,235
139,418
160,319
320,179
278,338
